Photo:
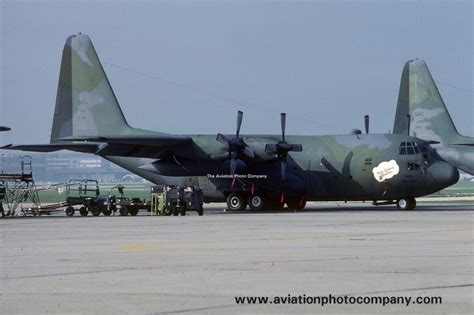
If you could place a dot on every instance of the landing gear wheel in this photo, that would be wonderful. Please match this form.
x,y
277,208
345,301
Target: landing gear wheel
x,y
107,212
256,202
133,211
70,211
166,211
200,211
95,211
83,211
236,202
176,211
123,211
182,210
296,204
408,203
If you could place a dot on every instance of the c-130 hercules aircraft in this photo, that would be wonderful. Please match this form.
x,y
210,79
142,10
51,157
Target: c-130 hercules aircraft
x,y
259,170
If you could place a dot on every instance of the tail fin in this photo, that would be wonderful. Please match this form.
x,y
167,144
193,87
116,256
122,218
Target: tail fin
x,y
419,97
85,103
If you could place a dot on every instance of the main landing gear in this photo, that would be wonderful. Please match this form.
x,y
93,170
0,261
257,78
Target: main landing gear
x,y
408,203
237,201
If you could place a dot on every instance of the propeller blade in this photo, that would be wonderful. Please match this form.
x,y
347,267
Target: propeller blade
x,y
296,148
249,152
329,166
222,139
366,122
233,165
408,124
283,125
346,167
240,115
283,167
233,162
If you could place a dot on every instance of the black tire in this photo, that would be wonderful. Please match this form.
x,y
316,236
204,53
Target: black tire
x,y
257,202
176,211
133,211
107,212
95,211
182,210
236,202
70,211
408,203
123,211
83,211
200,211
167,211
295,204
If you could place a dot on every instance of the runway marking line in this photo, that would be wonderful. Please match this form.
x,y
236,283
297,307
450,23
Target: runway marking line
x,y
152,247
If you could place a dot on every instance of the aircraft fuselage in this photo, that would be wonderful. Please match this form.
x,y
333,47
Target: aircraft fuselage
x,y
341,167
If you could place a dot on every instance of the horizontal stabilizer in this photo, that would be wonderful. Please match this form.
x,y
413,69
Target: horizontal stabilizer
x,y
469,144
52,147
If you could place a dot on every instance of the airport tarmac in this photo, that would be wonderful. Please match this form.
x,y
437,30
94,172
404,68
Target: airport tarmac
x,y
192,264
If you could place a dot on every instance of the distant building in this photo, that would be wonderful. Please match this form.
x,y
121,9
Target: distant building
x,y
62,166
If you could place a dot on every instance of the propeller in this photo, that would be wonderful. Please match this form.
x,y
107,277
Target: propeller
x,y
281,148
236,145
408,124
366,122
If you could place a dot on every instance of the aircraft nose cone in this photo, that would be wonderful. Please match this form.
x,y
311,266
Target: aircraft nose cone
x,y
443,174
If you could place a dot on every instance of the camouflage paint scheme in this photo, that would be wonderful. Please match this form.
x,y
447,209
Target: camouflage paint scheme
x,y
429,118
88,118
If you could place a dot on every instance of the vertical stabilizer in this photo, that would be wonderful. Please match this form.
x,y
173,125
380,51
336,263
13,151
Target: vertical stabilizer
x,y
85,102
419,97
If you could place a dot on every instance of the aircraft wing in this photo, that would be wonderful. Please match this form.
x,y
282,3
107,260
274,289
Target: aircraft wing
x,y
144,146
145,140
155,146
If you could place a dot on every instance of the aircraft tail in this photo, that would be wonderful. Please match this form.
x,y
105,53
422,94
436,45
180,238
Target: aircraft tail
x,y
85,103
419,97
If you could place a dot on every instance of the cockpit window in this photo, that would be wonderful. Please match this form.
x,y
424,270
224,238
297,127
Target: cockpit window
x,y
409,148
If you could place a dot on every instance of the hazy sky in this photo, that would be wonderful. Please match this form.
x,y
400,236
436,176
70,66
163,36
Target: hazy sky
x,y
193,64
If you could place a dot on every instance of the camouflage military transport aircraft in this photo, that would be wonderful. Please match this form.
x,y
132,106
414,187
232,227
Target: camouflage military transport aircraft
x,y
429,118
260,171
